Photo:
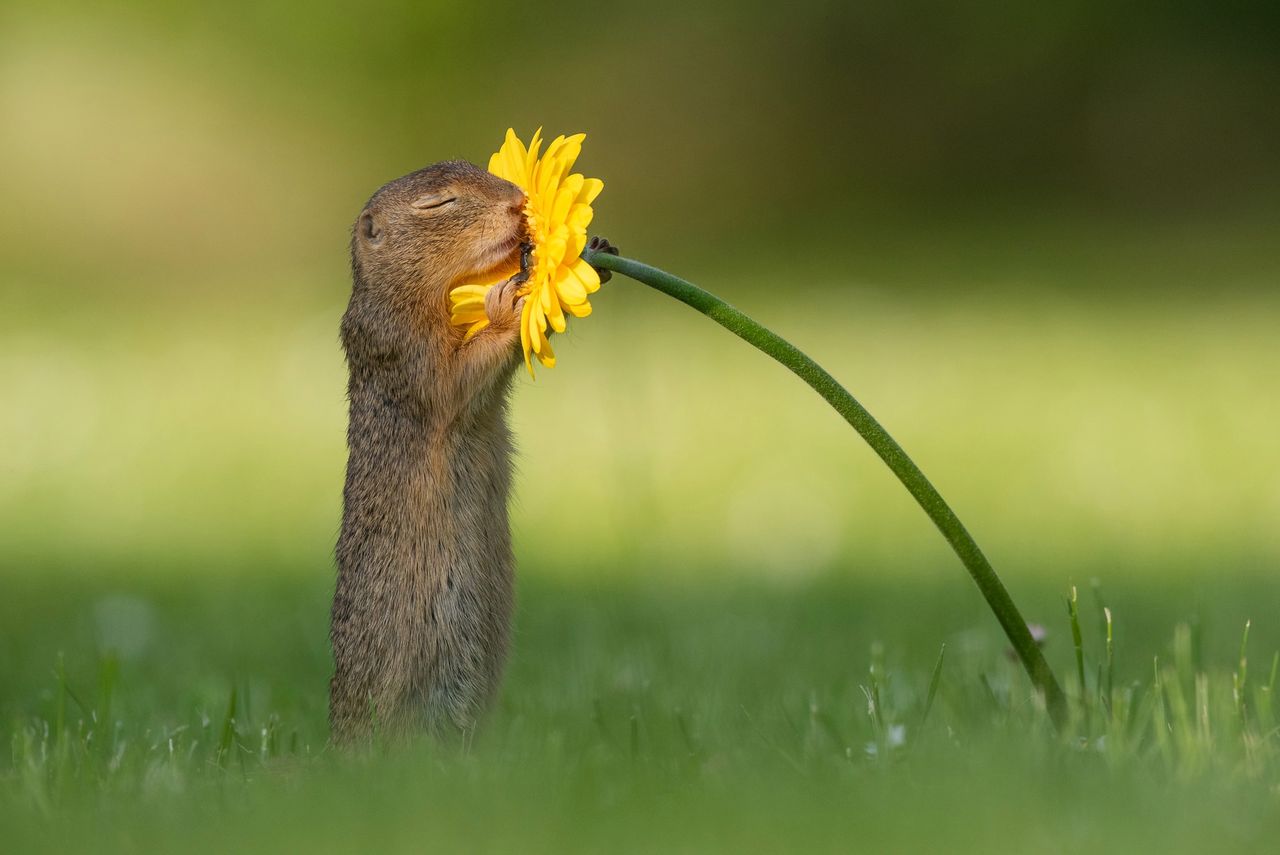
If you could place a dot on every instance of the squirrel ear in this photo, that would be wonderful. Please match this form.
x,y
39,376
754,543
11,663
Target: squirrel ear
x,y
369,229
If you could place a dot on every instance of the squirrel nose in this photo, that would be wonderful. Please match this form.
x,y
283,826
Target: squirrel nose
x,y
517,202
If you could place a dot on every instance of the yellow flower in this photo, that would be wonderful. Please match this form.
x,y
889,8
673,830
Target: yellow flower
x,y
558,211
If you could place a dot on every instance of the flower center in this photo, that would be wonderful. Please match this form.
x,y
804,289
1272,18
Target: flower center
x,y
540,268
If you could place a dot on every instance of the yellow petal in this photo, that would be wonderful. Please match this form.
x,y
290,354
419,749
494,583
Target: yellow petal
x,y
542,167
554,250
508,158
564,199
559,159
535,333
462,317
570,287
555,315
465,304
576,244
579,217
547,356
470,292
532,158
471,316
580,310
524,334
586,274
572,148
590,190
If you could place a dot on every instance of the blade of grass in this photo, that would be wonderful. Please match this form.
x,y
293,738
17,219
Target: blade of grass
x,y
1077,640
934,680
1108,698
109,673
1160,717
1241,677
227,737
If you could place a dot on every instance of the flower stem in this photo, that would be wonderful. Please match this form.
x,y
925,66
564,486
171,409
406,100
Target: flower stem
x,y
984,576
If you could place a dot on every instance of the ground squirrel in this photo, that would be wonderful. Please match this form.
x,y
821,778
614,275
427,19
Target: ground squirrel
x,y
422,610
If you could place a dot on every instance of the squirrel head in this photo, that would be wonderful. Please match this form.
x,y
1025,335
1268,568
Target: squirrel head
x,y
421,234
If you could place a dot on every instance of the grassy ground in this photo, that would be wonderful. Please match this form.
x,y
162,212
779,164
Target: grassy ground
x,y
730,617
635,719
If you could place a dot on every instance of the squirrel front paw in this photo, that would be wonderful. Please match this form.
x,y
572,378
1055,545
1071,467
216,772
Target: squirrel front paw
x,y
503,303
600,244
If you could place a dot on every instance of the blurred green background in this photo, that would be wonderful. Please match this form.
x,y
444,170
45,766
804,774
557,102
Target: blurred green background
x,y
1039,243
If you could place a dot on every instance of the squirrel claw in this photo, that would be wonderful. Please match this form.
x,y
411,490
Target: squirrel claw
x,y
601,244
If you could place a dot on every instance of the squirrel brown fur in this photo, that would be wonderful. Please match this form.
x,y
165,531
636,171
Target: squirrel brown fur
x,y
422,609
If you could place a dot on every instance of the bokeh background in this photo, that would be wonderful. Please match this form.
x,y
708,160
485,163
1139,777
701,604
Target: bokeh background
x,y
1039,242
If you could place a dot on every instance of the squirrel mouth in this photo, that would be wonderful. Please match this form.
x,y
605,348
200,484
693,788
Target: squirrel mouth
x,y
507,247
503,255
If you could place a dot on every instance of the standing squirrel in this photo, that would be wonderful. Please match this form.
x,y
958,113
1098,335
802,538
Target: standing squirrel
x,y
422,610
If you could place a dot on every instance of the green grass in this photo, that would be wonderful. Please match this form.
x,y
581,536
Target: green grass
x,y
637,718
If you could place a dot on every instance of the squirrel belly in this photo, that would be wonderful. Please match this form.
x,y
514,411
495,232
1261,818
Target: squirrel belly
x,y
422,610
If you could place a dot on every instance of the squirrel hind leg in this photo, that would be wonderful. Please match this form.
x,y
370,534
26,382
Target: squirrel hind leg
x,y
352,719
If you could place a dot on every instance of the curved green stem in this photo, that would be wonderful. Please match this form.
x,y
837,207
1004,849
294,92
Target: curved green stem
x,y
993,590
